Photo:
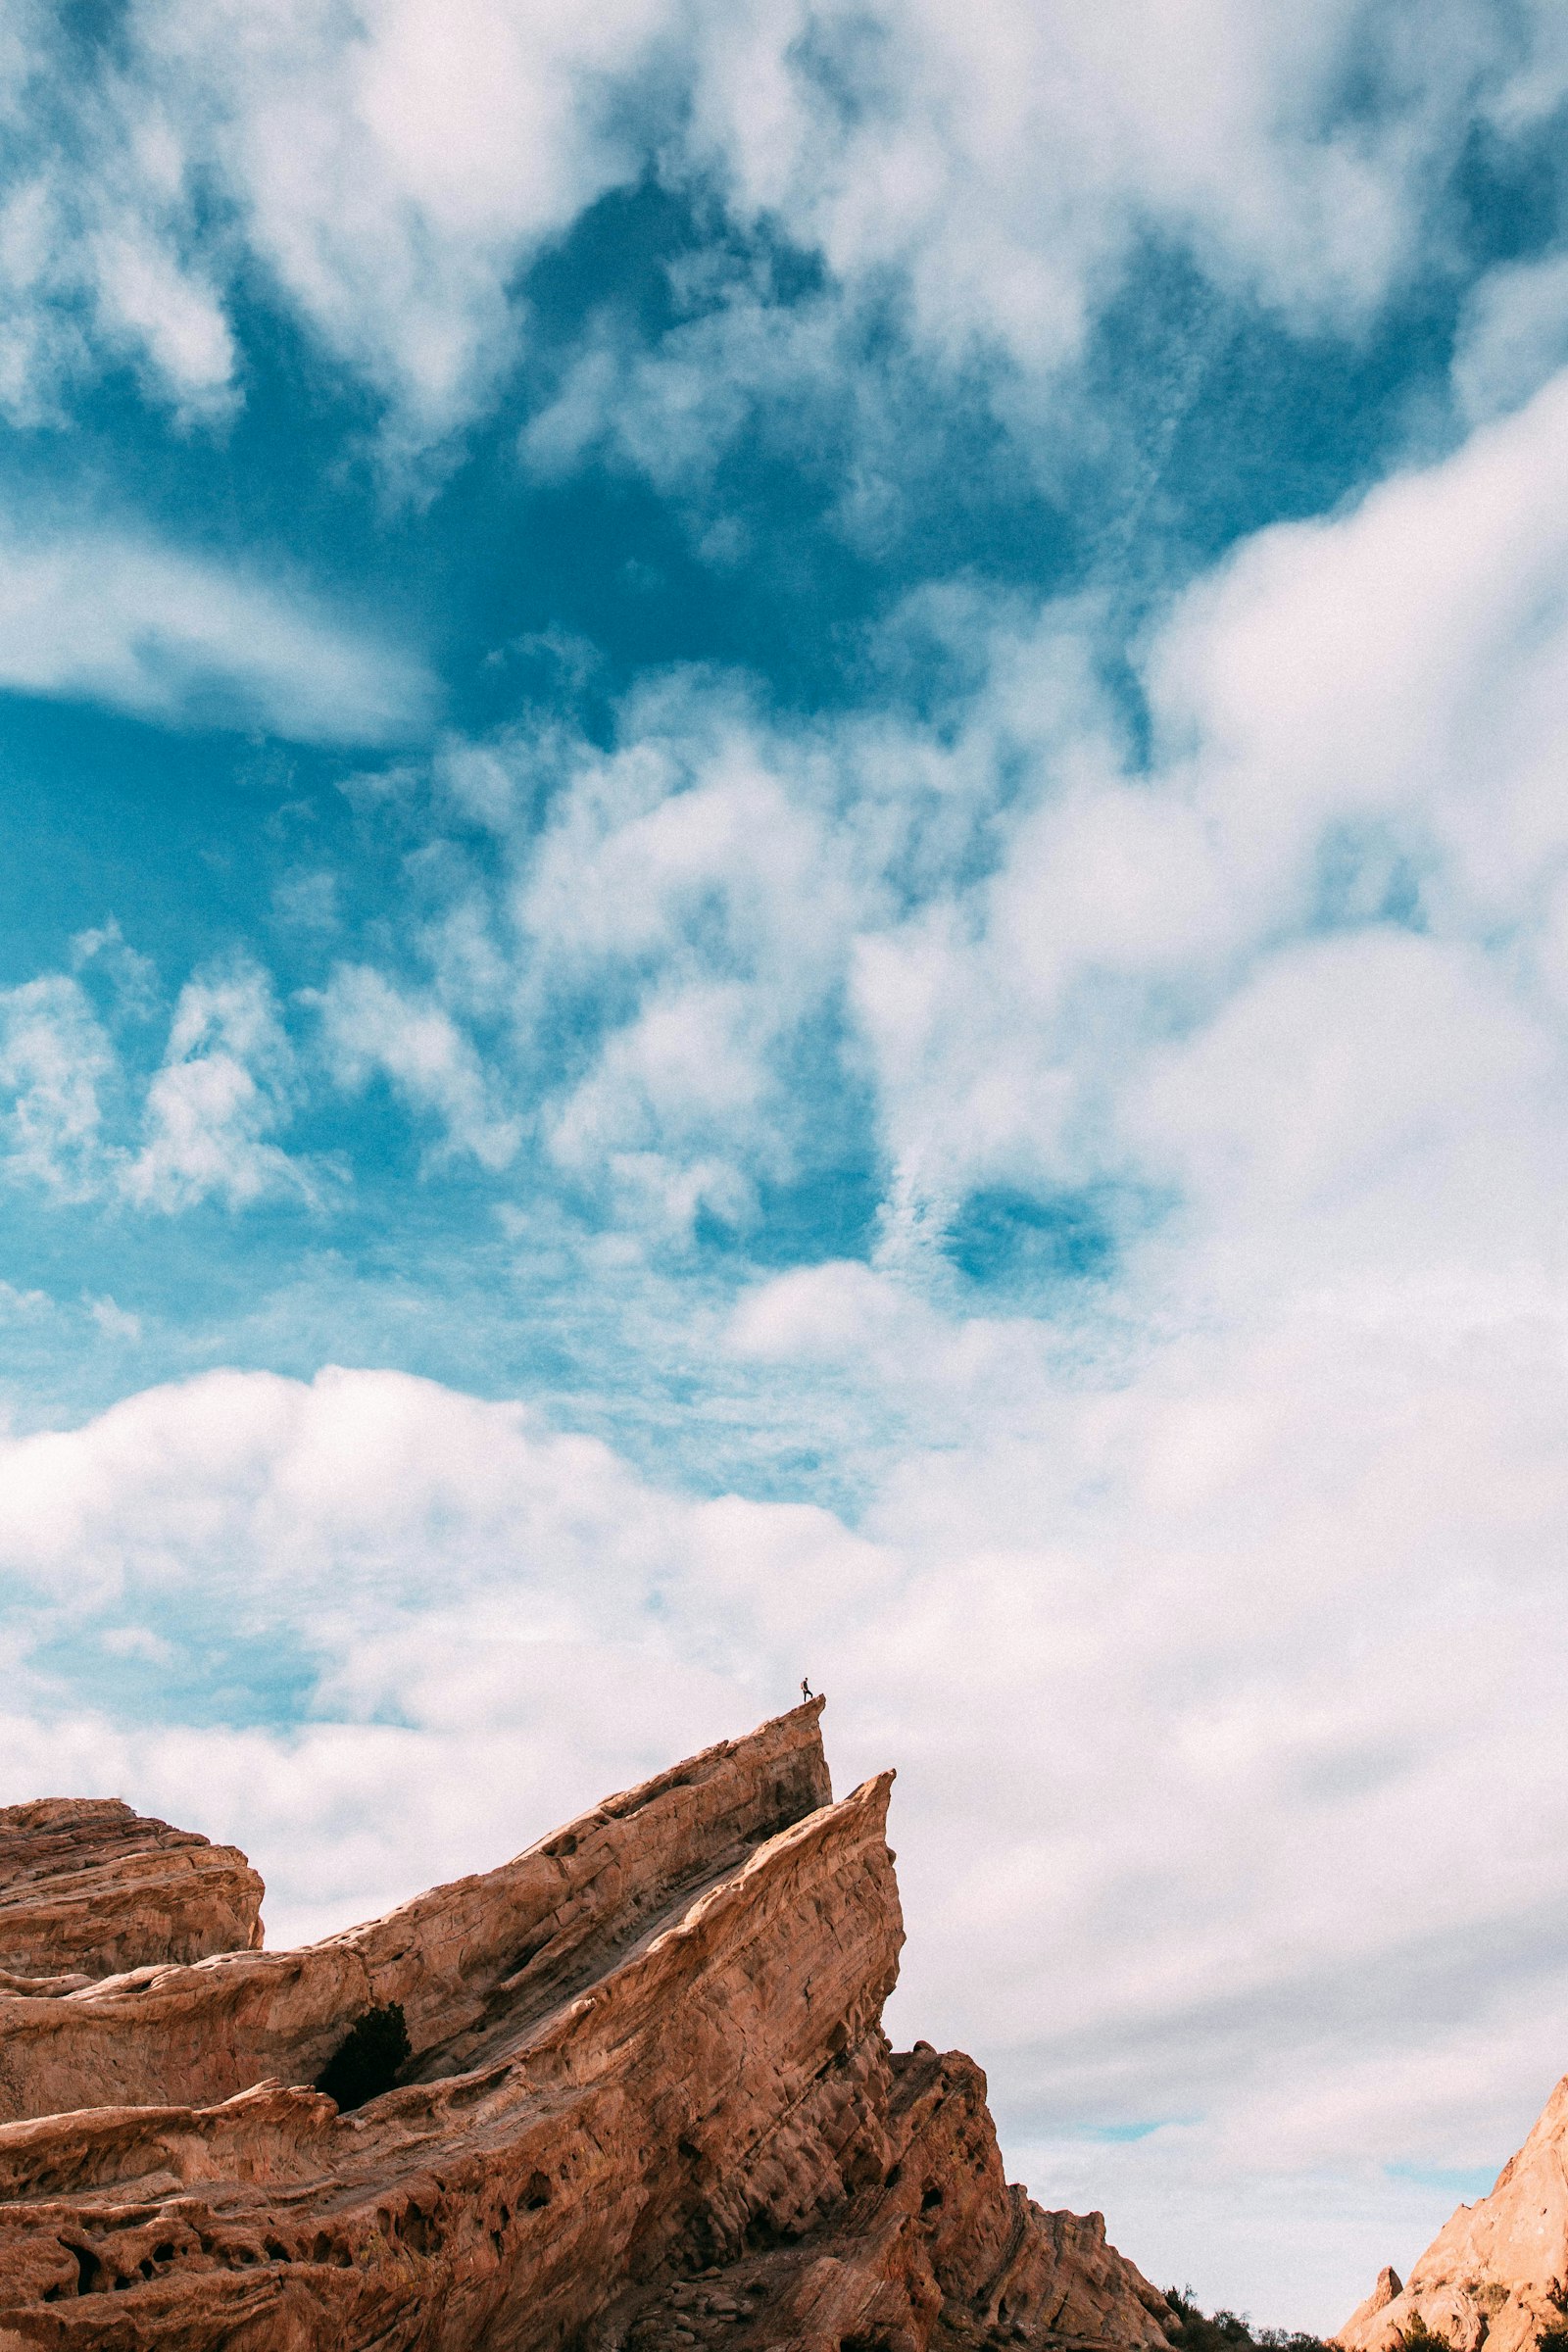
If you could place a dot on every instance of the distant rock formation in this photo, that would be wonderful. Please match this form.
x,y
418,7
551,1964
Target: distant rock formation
x,y
89,1889
650,2105
1493,2272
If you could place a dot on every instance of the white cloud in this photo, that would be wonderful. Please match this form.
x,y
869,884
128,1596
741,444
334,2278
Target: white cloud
x,y
1512,337
1336,901
24,1306
1000,160
105,615
101,249
55,1059
307,899
82,1121
370,1027
1358,727
998,170
115,1322
146,300
392,169
227,1082
132,976
1214,1689
1378,1077
1403,662
688,890
388,168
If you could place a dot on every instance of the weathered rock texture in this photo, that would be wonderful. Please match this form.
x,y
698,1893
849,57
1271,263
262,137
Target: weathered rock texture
x,y
650,2105
1492,2274
90,1888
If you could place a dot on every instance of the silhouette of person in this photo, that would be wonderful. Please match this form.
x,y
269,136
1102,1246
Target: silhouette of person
x,y
806,1687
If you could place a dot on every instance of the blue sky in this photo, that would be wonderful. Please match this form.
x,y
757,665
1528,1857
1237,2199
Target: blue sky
x,y
786,889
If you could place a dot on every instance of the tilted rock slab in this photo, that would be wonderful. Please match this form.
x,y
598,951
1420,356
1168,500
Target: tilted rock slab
x,y
1494,2271
88,1888
651,2105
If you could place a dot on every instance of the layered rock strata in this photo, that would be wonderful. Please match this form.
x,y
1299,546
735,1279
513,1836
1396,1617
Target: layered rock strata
x,y
1497,2273
650,2104
89,1889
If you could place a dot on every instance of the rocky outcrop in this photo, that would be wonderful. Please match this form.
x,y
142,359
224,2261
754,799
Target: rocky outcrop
x,y
88,1888
1388,2285
650,2104
1495,2270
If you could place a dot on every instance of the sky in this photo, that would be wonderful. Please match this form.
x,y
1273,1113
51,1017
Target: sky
x,y
785,891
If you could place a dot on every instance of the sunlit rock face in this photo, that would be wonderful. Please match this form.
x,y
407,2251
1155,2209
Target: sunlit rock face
x,y
648,2104
89,1889
1495,2270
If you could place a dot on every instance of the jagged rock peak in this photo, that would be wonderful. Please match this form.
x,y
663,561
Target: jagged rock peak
x,y
1496,2270
648,2105
89,1889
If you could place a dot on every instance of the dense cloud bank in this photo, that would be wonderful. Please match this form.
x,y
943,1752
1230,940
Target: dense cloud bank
x,y
1223,1699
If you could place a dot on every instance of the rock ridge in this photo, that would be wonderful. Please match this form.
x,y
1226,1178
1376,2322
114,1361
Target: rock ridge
x,y
89,1889
1497,2273
650,2105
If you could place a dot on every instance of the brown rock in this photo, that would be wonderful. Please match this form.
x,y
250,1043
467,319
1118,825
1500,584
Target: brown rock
x,y
1495,2270
650,2104
88,1888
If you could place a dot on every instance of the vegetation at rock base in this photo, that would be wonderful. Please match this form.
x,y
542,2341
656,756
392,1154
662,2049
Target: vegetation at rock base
x,y
1193,2330
1416,2336
1553,2337
367,2060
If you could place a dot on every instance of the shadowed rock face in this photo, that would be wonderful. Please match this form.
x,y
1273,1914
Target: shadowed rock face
x,y
650,2105
1492,2274
88,1888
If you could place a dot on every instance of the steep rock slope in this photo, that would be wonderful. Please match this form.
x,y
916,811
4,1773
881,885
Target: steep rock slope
x,y
650,2104
88,1888
1491,2274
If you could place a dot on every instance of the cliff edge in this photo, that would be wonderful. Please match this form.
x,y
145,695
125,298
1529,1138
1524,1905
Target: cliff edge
x,y
648,2104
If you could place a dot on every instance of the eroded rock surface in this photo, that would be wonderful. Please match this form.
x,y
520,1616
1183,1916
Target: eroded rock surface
x,y
89,1889
1493,2272
650,2105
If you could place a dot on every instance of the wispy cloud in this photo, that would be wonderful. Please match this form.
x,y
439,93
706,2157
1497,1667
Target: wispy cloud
x,y
55,1058
370,1027
104,614
85,1122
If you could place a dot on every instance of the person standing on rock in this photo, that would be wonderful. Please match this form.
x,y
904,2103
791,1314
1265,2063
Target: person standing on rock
x,y
806,1687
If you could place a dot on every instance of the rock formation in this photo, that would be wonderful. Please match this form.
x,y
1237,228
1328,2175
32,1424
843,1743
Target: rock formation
x,y
1493,2272
650,2105
92,1888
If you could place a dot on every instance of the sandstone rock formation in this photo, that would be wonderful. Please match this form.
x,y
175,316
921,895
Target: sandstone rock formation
x,y
650,2105
1494,2271
1388,2285
90,1888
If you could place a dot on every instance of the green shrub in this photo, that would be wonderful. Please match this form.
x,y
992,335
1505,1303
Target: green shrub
x,y
1416,2336
367,2060
1196,2332
1192,2329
